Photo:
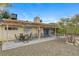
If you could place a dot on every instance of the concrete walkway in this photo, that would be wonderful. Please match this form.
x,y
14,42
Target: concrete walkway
x,y
12,44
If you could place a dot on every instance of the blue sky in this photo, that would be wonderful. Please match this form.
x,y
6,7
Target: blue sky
x,y
48,12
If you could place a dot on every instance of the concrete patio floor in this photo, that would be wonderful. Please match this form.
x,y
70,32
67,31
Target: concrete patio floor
x,y
15,44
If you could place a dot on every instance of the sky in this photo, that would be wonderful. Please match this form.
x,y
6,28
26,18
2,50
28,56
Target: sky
x,y
48,12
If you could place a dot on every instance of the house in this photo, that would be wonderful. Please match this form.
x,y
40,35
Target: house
x,y
9,27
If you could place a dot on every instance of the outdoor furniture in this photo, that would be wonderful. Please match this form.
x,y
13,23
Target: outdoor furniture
x,y
0,45
28,37
17,37
25,37
22,37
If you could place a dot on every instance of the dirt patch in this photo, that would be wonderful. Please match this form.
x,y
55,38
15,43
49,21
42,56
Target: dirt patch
x,y
50,48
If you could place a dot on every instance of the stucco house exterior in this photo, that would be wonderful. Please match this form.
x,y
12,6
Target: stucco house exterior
x,y
9,27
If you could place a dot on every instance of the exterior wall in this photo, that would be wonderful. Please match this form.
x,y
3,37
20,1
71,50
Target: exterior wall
x,y
35,32
1,33
10,34
27,29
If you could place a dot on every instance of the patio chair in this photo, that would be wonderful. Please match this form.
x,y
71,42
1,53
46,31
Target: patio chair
x,y
28,37
22,37
19,37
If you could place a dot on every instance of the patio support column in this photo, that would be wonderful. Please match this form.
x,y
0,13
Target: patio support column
x,y
55,31
7,32
39,33
2,34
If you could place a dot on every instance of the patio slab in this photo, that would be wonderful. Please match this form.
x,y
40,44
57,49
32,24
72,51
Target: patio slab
x,y
12,44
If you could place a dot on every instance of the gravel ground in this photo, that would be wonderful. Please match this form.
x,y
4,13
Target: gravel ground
x,y
50,48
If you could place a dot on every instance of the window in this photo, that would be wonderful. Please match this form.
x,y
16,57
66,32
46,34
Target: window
x,y
11,28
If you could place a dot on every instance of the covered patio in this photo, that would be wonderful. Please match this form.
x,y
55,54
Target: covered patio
x,y
12,27
15,44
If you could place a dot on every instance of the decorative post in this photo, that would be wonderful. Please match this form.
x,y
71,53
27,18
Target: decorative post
x,y
2,36
2,33
2,41
55,31
39,33
7,32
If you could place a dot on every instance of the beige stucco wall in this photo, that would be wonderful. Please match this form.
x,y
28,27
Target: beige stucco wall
x,y
35,31
10,34
1,32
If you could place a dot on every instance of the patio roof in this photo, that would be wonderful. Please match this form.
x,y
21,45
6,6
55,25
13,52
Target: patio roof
x,y
25,23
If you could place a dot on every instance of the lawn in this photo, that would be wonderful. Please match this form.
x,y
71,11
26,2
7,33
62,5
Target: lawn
x,y
49,48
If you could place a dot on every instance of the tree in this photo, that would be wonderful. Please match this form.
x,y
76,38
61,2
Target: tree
x,y
5,15
75,21
70,27
3,10
62,25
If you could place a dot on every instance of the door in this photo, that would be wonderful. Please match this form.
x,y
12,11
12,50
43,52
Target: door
x,y
46,32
